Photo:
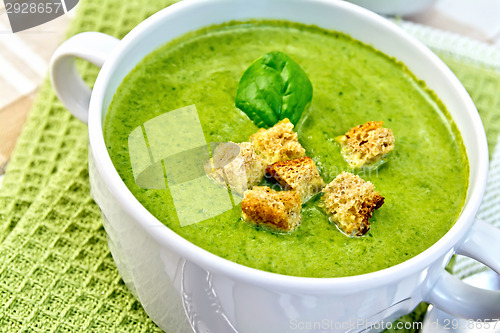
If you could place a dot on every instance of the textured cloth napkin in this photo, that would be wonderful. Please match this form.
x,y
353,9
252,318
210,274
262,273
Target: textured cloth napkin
x,y
56,271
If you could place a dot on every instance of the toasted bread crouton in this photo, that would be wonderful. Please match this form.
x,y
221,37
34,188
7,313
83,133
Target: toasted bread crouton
x,y
236,165
274,210
278,143
350,202
366,144
299,175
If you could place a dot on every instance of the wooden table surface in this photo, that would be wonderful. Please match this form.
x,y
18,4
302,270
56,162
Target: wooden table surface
x,y
24,56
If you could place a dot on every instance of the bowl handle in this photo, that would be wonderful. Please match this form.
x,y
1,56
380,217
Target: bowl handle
x,y
457,298
70,88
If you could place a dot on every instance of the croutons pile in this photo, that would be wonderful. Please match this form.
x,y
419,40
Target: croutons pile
x,y
278,152
297,174
348,200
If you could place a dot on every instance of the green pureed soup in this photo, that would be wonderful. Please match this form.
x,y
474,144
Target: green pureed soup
x,y
424,180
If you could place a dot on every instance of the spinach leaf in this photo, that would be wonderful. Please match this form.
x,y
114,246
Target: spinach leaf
x,y
274,87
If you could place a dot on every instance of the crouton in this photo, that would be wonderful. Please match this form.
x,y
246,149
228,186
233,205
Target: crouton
x,y
366,144
278,143
275,210
236,165
350,202
299,175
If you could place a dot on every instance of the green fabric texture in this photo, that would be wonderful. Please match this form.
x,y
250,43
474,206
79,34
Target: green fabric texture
x,y
56,271
483,84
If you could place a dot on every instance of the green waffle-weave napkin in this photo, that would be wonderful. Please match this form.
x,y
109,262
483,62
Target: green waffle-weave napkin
x,y
56,272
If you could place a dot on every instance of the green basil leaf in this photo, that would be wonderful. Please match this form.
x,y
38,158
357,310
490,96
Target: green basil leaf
x,y
274,87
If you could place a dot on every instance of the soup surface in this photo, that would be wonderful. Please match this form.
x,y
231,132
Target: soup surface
x,y
424,180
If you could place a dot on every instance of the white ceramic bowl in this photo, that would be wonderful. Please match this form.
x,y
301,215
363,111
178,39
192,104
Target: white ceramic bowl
x,y
182,286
